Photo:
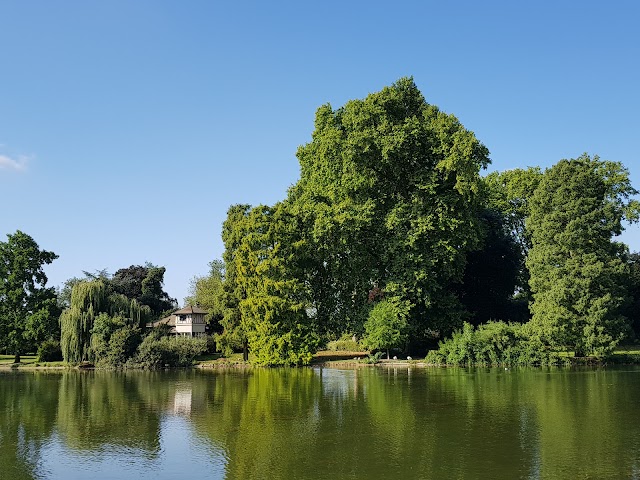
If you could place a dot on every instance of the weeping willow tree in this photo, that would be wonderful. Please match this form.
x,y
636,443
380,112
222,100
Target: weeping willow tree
x,y
88,301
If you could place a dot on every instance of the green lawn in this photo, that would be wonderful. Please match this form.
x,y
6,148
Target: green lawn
x,y
218,359
628,350
26,359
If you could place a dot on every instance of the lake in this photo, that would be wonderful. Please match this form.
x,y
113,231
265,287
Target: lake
x,y
314,423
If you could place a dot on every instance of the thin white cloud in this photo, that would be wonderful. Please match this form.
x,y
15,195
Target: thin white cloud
x,y
18,164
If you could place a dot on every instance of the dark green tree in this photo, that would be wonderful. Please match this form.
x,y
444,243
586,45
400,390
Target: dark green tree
x,y
632,311
28,309
578,273
145,285
489,289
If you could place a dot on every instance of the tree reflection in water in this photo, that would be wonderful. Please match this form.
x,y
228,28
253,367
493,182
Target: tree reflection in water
x,y
320,423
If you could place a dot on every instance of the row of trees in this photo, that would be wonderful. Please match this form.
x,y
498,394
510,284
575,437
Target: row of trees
x,y
390,234
99,318
391,229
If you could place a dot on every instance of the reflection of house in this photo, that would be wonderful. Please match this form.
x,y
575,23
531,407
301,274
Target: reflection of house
x,y
182,401
188,322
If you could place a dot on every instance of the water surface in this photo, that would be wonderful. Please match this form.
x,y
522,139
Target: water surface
x,y
321,424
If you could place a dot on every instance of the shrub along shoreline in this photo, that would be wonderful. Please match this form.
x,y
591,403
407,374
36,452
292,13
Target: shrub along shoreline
x,y
329,359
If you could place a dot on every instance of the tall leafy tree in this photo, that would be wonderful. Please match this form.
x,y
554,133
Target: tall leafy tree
x,y
28,309
234,229
274,308
578,272
388,198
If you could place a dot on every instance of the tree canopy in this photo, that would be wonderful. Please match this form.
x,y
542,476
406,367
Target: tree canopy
x,y
388,198
145,285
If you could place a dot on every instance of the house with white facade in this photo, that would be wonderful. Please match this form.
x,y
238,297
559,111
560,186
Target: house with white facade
x,y
187,322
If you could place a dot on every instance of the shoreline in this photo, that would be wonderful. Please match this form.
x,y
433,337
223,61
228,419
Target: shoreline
x,y
335,360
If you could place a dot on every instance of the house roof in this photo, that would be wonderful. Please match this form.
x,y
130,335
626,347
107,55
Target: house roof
x,y
170,320
187,310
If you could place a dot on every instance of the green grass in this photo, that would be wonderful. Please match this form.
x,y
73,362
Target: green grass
x,y
627,350
218,359
208,357
24,359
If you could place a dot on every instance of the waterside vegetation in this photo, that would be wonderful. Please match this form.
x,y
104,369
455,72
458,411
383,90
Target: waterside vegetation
x,y
391,241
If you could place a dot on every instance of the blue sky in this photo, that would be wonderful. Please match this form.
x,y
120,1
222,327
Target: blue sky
x,y
127,128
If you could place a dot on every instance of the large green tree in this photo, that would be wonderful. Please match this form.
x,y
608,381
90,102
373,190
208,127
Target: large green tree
x,y
28,309
274,313
577,272
388,198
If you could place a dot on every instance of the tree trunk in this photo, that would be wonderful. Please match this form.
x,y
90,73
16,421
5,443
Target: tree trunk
x,y
245,352
16,358
387,354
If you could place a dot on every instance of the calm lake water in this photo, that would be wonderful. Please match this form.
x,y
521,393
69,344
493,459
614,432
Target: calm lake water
x,y
321,424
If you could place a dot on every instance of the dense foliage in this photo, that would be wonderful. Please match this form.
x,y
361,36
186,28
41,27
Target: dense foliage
x,y
158,351
96,314
387,325
577,273
388,198
28,308
390,205
144,284
491,344
390,236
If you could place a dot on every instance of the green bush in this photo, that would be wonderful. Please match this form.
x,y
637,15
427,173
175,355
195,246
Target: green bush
x,y
113,341
345,343
122,346
493,343
49,351
156,352
387,325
